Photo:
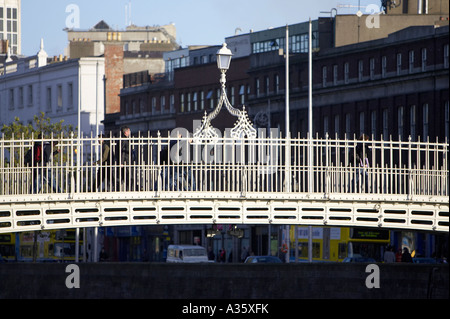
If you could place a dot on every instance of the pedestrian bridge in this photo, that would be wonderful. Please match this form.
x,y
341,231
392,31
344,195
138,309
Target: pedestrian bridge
x,y
264,180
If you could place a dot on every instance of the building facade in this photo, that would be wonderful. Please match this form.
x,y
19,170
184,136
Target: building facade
x,y
59,87
10,24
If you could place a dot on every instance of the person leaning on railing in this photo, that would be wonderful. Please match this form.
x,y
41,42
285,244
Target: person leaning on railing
x,y
362,160
103,173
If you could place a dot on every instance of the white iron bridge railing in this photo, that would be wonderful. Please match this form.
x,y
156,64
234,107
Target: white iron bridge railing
x,y
304,174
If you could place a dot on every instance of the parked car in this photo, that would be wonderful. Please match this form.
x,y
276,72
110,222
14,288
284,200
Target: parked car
x,y
262,259
358,259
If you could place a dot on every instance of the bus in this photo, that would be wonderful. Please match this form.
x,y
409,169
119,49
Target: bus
x,y
43,246
186,254
337,243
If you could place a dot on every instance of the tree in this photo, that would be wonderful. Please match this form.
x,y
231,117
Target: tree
x,y
41,124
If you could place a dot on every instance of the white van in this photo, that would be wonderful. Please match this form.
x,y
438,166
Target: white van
x,y
186,254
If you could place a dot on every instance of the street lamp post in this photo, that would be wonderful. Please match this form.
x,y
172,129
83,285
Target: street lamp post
x,y
243,126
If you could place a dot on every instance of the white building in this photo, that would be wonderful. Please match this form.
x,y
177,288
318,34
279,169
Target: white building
x,y
37,84
10,24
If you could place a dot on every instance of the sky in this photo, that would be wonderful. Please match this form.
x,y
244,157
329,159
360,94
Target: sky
x,y
197,22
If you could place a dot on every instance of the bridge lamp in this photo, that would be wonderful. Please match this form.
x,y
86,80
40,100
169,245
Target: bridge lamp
x,y
224,58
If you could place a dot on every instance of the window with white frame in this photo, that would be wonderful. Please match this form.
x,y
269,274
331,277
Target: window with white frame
x,y
182,103
202,100
399,63
195,100
188,102
69,95
411,61
242,94
424,59
59,96
277,83
335,74
346,72
30,95
172,103
360,70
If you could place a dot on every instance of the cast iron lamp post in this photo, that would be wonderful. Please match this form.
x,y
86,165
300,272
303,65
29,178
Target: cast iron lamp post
x,y
243,126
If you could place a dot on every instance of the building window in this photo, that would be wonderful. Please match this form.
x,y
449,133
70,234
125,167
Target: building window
x,y
69,95
399,63
49,99
30,95
383,66
277,83
153,105
232,95
189,102
335,74
361,123
141,106
400,122
346,72
11,98
242,94
267,85
60,96
162,100
172,103
385,124
360,70
372,68
257,87
446,56
373,124
182,103
348,125
412,118
424,59
425,121
337,126
325,126
195,100
324,76
202,100
411,61
446,121
21,97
